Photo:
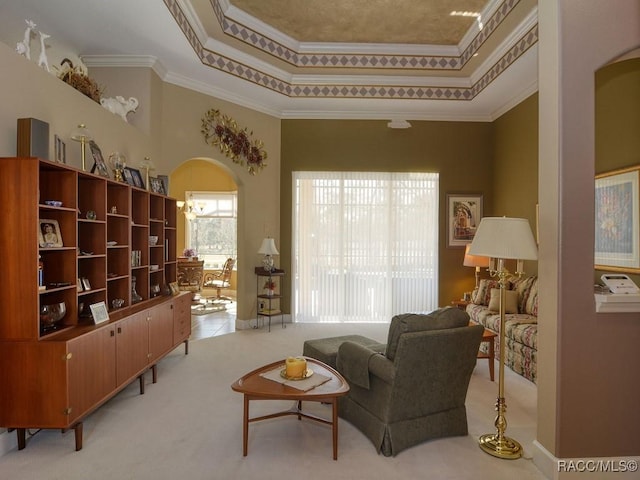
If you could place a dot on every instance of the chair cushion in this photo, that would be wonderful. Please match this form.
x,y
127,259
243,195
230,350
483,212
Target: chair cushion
x,y
448,317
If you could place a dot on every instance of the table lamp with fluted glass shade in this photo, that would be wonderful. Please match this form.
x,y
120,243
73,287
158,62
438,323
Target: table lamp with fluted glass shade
x,y
83,135
501,239
268,249
477,261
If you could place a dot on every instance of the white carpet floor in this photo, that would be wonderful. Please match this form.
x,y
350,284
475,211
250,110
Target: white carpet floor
x,y
189,425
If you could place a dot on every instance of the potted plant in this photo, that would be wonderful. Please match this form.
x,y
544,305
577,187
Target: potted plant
x,y
189,254
270,287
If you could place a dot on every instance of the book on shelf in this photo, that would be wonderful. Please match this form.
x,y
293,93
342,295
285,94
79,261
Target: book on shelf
x,y
269,311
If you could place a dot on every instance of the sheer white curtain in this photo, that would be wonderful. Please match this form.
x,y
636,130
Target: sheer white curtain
x,y
365,245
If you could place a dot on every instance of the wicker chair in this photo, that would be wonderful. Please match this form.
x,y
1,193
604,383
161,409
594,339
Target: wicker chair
x,y
220,280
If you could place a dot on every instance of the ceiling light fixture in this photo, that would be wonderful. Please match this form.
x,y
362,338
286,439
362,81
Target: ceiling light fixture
x,y
398,124
190,208
476,15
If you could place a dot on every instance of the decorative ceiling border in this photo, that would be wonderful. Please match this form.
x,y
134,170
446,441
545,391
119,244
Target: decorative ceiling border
x,y
396,92
387,61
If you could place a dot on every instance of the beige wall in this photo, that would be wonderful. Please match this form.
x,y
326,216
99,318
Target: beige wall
x,y
515,172
258,196
174,119
461,152
617,120
588,395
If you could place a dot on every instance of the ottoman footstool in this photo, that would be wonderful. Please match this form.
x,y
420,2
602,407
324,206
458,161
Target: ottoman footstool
x,y
326,349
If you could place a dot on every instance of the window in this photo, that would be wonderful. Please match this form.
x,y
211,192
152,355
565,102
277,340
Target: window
x,y
365,245
211,230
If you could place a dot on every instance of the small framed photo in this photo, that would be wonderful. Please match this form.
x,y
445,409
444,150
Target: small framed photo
x,y
60,149
80,287
165,183
99,166
173,286
86,286
99,312
133,177
49,233
463,217
128,177
137,178
156,185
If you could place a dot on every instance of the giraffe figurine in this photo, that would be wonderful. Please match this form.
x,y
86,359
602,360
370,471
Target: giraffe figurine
x,y
24,47
42,60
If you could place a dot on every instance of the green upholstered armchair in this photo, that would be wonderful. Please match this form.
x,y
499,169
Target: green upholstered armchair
x,y
416,391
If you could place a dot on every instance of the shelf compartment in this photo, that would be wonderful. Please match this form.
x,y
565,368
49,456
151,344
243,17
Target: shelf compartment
x,y
92,195
92,236
57,183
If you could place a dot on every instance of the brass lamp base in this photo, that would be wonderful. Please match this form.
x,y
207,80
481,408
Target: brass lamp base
x,y
502,448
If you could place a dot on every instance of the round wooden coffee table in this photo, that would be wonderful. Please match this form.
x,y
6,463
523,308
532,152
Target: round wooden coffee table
x,y
254,386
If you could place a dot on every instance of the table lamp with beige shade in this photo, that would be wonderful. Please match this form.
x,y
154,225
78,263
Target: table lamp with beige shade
x,y
477,261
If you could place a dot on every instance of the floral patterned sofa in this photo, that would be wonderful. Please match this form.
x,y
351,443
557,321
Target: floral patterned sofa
x,y
521,321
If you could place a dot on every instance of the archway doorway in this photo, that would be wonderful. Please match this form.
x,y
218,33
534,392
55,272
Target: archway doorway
x,y
194,181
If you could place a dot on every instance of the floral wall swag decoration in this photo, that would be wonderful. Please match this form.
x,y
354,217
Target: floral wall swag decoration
x,y
223,132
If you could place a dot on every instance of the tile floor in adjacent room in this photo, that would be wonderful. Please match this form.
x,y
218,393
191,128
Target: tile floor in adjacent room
x,y
215,323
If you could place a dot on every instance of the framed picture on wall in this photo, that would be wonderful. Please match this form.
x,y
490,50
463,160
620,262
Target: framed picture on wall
x,y
464,212
617,245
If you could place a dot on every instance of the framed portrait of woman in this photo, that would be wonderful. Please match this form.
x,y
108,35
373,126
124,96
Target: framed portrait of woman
x,y
464,212
49,233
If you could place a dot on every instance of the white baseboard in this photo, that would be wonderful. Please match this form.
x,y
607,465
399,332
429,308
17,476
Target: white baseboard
x,y
593,468
8,442
264,322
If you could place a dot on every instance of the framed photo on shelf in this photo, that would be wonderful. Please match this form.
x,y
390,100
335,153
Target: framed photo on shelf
x,y
165,183
617,228
60,149
464,212
99,312
133,177
86,285
49,233
99,166
173,286
128,177
156,185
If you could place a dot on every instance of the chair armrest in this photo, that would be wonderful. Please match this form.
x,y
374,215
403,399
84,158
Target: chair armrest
x,y
382,367
354,363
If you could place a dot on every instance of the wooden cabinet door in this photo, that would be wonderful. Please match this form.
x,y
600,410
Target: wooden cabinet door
x,y
181,318
92,370
34,391
160,331
132,347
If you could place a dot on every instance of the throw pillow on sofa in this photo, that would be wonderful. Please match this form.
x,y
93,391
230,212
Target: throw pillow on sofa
x,y
511,301
482,295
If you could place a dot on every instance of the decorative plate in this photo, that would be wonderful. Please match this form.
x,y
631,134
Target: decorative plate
x,y
307,374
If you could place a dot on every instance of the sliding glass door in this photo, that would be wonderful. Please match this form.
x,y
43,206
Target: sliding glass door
x,y
364,245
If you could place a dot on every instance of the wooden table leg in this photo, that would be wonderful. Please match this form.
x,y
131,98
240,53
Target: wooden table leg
x,y
245,427
334,427
22,438
78,432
